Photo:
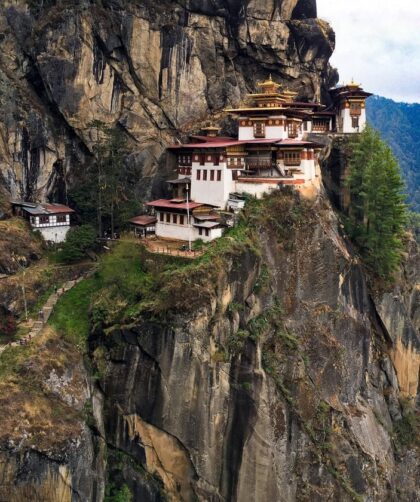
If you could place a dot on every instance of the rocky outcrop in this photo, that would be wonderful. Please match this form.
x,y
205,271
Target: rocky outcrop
x,y
281,383
154,68
47,450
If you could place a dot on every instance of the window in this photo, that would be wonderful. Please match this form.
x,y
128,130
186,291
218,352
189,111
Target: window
x,y
320,126
292,130
355,109
33,220
168,218
234,175
216,159
174,218
188,171
181,219
305,126
61,218
211,175
259,130
198,174
204,175
200,231
202,160
292,158
355,122
207,232
161,217
219,175
44,219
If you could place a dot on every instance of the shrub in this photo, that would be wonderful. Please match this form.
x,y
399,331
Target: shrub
x,y
79,241
7,326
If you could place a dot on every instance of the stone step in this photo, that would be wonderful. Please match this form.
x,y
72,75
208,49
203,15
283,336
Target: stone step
x,y
47,313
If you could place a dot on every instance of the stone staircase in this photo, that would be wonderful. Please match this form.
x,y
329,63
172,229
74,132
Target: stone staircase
x,y
44,314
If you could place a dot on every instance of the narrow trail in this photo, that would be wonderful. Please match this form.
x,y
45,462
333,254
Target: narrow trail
x,y
45,313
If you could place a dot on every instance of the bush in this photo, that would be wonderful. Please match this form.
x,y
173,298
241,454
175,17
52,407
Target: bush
x,y
79,241
7,326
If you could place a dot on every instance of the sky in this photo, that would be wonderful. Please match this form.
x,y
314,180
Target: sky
x,y
377,44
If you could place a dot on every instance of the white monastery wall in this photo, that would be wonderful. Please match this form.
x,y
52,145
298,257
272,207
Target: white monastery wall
x,y
54,234
214,192
246,133
255,189
174,231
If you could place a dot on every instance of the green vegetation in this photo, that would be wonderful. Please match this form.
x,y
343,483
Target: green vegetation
x,y
399,124
104,192
413,224
122,494
407,429
131,283
71,314
378,215
7,326
79,241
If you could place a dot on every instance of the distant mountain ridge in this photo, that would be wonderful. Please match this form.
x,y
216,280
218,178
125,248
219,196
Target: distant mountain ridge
x,y
399,124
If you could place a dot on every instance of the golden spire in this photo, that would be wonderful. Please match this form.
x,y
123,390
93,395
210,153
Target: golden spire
x,y
353,84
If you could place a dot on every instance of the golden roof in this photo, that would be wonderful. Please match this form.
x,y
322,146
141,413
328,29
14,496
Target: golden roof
x,y
269,84
353,84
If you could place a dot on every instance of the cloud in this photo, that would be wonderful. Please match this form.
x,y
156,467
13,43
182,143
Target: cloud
x,y
378,43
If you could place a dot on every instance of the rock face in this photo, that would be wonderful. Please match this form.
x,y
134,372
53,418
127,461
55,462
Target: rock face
x,y
154,68
282,383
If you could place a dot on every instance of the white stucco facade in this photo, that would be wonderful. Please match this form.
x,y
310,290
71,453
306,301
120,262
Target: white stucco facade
x,y
53,227
256,189
211,191
346,121
186,232
54,234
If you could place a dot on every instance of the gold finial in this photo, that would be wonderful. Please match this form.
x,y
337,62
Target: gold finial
x,y
353,84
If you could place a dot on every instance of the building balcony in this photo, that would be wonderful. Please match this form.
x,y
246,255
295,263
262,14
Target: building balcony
x,y
259,164
292,162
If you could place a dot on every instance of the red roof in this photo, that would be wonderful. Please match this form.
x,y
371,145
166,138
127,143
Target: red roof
x,y
206,139
217,143
169,204
143,220
57,208
224,144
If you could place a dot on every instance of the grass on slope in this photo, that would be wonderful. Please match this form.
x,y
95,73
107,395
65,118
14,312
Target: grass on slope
x,y
71,314
131,282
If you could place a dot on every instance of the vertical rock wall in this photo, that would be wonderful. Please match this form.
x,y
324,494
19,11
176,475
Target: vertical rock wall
x,y
154,68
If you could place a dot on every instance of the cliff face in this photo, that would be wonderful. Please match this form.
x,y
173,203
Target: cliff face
x,y
284,379
153,68
270,372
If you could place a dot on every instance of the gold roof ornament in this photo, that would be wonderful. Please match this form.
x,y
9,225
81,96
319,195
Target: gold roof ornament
x,y
211,130
269,86
353,84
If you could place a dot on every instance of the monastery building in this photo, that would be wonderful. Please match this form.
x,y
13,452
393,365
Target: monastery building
x,y
273,149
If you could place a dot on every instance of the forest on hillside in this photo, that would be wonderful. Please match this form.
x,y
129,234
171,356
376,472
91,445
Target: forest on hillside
x,y
399,124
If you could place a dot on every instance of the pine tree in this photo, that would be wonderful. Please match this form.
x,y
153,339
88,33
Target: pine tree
x,y
378,214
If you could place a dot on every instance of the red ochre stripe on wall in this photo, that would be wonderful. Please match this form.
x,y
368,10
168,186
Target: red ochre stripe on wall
x,y
271,181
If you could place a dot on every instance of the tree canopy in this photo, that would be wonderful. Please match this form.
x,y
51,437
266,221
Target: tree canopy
x,y
378,213
104,193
